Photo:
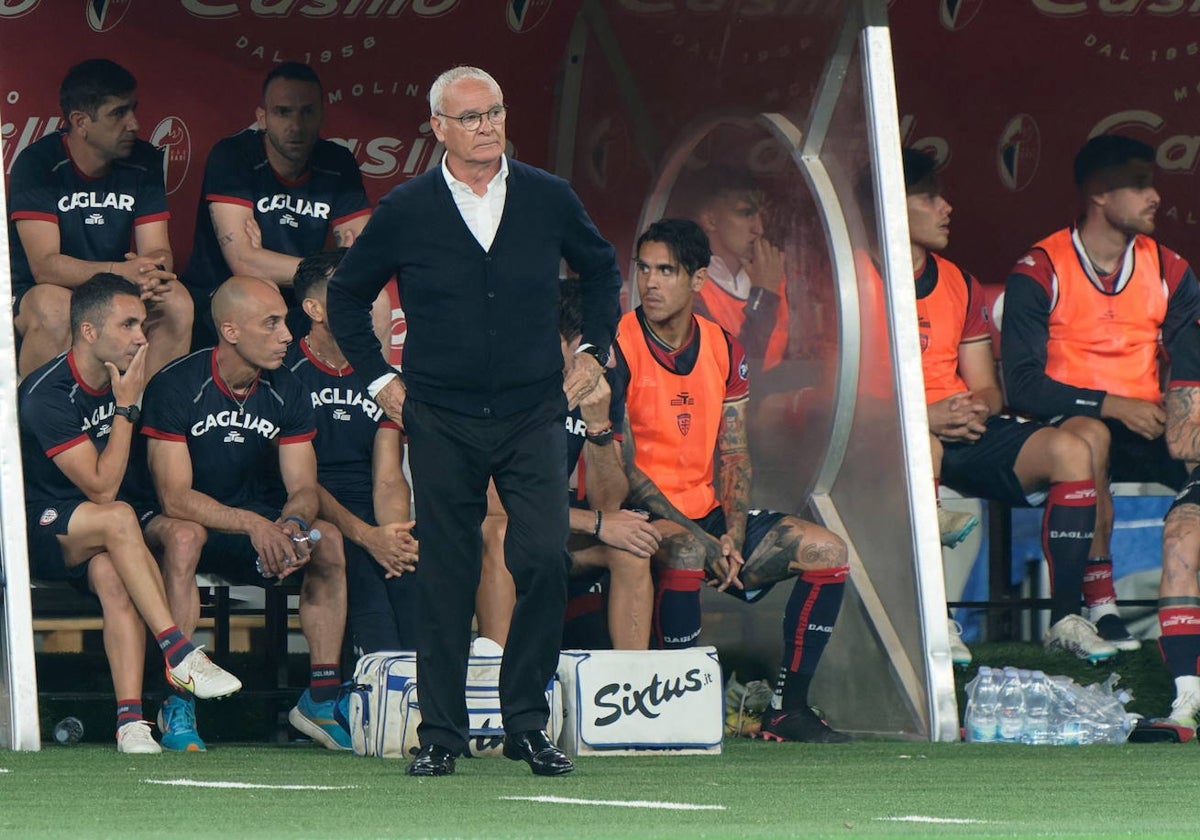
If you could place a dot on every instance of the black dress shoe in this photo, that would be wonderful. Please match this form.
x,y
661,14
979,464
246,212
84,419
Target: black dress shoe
x,y
432,760
536,749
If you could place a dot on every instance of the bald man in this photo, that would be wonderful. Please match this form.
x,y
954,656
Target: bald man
x,y
230,447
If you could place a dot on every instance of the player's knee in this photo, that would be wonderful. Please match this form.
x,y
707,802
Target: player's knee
x,y
682,551
1071,452
120,522
330,552
182,543
622,562
47,309
1094,431
824,550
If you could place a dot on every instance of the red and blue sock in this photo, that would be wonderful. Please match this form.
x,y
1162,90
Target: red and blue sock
x,y
174,645
1179,620
677,608
324,682
128,711
812,610
1067,529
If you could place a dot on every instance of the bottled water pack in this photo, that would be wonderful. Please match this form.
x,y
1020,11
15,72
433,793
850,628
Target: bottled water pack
x,y
1027,707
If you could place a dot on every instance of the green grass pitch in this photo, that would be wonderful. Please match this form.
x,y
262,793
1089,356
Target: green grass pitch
x,y
755,789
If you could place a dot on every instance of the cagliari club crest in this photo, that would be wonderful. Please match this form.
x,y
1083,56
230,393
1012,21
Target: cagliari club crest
x,y
683,400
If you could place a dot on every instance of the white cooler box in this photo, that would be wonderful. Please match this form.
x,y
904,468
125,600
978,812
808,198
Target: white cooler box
x,y
631,702
385,709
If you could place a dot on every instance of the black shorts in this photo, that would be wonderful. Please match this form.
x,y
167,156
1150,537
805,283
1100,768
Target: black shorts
x,y
1190,494
984,468
758,523
44,524
1133,458
232,556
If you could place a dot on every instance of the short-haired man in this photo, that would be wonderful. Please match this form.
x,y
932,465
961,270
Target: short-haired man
x,y
91,198
746,292
77,416
230,448
686,398
274,194
1087,312
981,452
476,246
359,466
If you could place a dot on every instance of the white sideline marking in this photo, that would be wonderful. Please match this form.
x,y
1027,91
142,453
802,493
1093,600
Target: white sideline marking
x,y
243,785
618,803
3,769
941,820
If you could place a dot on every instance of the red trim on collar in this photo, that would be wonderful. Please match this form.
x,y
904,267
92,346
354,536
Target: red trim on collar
x,y
88,389
223,387
320,365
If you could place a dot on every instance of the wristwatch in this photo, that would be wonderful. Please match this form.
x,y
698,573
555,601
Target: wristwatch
x,y
595,352
132,413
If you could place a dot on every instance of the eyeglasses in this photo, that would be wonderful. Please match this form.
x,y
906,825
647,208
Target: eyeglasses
x,y
473,119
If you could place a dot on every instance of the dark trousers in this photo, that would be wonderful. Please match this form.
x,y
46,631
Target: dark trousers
x,y
452,456
380,611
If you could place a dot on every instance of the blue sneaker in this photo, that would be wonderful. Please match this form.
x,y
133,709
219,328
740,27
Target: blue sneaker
x,y
326,723
177,723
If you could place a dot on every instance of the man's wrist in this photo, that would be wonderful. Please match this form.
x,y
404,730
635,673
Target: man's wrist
x,y
379,383
596,352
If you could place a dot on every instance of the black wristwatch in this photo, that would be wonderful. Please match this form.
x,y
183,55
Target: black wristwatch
x,y
132,413
597,353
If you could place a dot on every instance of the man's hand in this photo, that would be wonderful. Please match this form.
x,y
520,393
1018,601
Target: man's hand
x,y
127,387
1139,416
147,274
725,566
594,405
276,550
630,530
393,547
391,398
765,268
958,417
581,380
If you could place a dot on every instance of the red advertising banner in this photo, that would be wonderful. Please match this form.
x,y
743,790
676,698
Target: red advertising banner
x,y
1004,93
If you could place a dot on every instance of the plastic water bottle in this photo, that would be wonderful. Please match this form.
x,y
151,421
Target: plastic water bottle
x,y
981,720
311,537
69,730
1037,711
1010,707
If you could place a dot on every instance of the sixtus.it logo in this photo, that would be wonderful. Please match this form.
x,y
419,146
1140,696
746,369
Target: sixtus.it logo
x,y
103,15
172,136
1018,151
623,700
956,14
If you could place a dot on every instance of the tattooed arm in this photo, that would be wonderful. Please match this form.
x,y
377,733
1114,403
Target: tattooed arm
x,y
1183,422
735,471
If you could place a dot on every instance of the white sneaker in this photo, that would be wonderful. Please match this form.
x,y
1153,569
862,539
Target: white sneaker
x,y
199,675
134,738
955,525
1185,710
1078,635
960,654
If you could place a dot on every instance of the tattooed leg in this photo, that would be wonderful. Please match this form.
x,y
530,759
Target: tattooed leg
x,y
791,547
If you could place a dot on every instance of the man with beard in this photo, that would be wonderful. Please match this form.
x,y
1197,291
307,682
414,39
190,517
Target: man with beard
x,y
1087,312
